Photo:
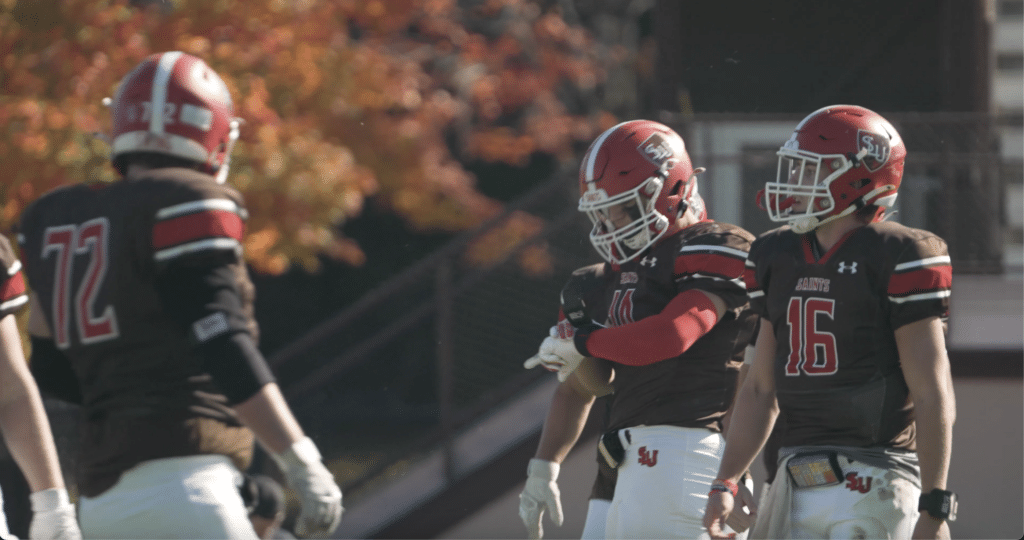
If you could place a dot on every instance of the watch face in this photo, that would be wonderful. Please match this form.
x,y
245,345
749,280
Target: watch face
x,y
949,506
940,504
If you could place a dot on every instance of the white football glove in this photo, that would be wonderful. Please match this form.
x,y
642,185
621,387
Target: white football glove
x,y
540,494
560,352
556,354
321,509
53,516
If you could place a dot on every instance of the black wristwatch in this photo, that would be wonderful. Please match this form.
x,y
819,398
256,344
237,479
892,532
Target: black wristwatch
x,y
939,503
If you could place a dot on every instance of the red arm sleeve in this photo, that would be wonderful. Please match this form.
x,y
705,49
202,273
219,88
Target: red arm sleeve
x,y
668,334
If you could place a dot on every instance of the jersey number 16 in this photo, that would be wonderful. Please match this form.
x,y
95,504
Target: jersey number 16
x,y
811,350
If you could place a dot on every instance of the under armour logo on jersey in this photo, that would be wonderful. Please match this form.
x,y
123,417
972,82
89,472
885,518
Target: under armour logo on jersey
x,y
648,458
843,267
648,260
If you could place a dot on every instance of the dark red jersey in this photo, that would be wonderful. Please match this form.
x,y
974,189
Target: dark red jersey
x,y
93,255
696,388
837,369
12,282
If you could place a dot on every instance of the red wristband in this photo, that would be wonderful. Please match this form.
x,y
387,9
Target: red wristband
x,y
725,485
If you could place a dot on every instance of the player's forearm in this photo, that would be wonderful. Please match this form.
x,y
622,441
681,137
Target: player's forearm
x,y
26,431
934,416
268,416
753,417
926,370
565,421
23,421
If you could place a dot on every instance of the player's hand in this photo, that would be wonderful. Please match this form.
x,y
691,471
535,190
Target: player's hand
x,y
723,509
744,510
720,505
321,507
53,516
536,359
561,353
557,354
929,527
540,494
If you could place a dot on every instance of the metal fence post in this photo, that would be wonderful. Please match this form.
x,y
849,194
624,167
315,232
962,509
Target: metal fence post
x,y
445,360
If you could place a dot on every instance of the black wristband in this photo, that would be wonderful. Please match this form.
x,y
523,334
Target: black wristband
x,y
581,336
939,503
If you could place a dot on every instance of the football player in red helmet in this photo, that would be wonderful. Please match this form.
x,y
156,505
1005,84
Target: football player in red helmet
x,y
143,313
838,161
662,323
636,197
195,123
851,348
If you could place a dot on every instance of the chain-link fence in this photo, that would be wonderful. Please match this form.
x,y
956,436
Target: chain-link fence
x,y
429,351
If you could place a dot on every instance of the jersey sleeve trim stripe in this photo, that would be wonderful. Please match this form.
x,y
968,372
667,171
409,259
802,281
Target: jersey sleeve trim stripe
x,y
12,288
13,304
931,261
937,295
921,280
194,247
706,248
226,205
724,266
197,226
735,281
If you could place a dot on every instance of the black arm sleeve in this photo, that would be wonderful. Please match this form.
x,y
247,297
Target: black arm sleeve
x,y
205,301
52,371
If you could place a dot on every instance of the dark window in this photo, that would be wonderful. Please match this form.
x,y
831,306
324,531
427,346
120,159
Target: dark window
x,y
1010,8
1010,61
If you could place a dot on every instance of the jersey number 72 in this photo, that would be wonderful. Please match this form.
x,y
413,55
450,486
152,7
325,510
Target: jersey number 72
x,y
67,242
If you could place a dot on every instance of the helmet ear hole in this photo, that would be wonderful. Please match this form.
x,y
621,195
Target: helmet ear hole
x,y
675,199
859,184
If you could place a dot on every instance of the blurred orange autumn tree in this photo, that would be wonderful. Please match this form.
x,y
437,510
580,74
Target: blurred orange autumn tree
x,y
342,100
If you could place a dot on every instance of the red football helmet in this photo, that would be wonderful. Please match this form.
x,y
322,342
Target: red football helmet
x,y
195,120
641,169
838,160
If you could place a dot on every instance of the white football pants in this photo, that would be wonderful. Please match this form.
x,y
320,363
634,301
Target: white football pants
x,y
182,497
869,503
597,517
663,483
5,532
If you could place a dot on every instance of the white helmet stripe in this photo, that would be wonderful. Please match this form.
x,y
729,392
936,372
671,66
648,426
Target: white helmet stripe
x,y
595,149
158,98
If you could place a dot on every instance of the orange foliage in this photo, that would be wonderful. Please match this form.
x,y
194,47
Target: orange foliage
x,y
342,100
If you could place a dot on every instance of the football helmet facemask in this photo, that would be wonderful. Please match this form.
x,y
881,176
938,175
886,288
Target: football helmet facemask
x,y
839,159
635,180
195,120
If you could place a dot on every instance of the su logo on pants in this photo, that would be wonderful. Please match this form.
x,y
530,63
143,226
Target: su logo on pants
x,y
649,459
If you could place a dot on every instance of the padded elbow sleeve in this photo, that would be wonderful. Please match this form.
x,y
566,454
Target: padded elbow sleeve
x,y
206,303
236,365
